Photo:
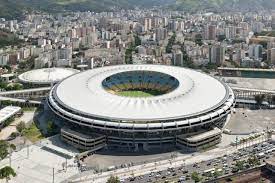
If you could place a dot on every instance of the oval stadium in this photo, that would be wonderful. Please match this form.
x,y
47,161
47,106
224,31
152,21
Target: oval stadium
x,y
141,107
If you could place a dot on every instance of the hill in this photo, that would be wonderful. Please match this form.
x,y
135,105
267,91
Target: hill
x,y
225,5
15,8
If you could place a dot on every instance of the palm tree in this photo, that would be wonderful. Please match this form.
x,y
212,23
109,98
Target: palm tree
x,y
6,173
21,127
12,147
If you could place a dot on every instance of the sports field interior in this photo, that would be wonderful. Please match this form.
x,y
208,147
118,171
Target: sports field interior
x,y
139,93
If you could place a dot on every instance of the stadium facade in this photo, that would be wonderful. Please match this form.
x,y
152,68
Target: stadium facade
x,y
188,109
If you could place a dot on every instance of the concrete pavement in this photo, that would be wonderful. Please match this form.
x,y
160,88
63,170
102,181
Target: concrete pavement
x,y
7,131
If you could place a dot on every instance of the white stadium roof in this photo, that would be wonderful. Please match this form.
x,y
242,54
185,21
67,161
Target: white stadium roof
x,y
46,75
196,94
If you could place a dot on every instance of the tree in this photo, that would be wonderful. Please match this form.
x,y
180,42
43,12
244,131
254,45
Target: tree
x,y
170,44
195,176
3,149
271,99
6,173
13,135
51,128
14,86
221,38
137,40
128,55
198,39
240,165
12,147
253,160
27,64
21,126
113,179
259,99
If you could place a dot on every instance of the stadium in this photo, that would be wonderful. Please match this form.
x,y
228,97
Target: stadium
x,y
45,76
141,107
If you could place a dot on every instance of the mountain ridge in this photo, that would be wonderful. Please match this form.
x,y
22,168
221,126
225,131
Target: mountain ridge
x,y
16,8
11,9
224,5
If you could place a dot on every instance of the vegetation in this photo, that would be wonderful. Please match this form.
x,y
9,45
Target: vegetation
x,y
8,39
21,127
15,8
267,33
7,103
240,165
253,161
223,5
9,87
4,149
187,60
137,40
8,121
221,38
259,99
29,109
6,173
198,39
196,177
13,86
13,135
271,99
128,55
139,93
33,133
27,64
113,179
52,128
130,49
170,44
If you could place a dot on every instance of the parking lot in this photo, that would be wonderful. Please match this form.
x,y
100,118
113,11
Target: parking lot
x,y
246,121
258,83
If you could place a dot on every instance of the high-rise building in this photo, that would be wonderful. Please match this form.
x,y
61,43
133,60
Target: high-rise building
x,y
255,51
147,24
173,25
230,32
177,58
161,34
271,56
217,54
273,21
257,27
212,32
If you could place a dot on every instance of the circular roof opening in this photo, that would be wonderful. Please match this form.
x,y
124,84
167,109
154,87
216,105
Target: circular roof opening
x,y
140,83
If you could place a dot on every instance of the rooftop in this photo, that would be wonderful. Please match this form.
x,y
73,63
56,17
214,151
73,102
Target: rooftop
x,y
8,112
197,93
204,135
46,76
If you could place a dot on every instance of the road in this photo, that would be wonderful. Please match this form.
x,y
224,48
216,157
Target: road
x,y
225,163
140,170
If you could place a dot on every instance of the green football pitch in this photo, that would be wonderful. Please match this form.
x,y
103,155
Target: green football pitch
x,y
139,93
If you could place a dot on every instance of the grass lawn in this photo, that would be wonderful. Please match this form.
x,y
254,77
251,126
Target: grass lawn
x,y
139,93
28,109
33,133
